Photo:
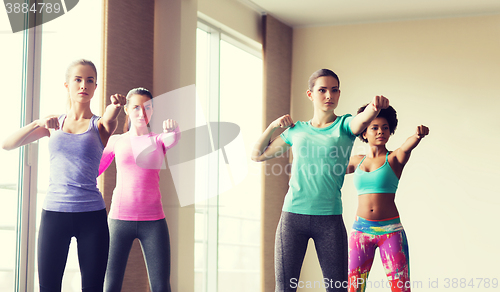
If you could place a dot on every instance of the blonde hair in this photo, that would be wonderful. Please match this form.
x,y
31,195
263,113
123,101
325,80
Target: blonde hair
x,y
68,72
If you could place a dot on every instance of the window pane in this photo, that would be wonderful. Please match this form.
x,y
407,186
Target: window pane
x,y
11,76
76,35
239,208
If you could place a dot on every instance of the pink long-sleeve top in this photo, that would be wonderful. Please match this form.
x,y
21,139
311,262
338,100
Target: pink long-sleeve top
x,y
139,159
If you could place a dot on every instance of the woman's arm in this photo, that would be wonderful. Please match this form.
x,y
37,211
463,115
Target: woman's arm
x,y
264,149
108,122
108,154
402,154
31,132
353,163
362,120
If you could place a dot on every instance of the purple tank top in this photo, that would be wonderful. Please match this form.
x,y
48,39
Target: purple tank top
x,y
74,167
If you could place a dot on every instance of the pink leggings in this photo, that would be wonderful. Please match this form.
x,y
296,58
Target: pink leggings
x,y
393,252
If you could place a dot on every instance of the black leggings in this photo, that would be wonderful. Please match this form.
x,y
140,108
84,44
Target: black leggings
x,y
155,243
330,239
55,233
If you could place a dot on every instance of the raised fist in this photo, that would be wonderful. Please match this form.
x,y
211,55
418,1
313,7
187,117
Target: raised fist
x,y
283,122
118,100
422,131
169,125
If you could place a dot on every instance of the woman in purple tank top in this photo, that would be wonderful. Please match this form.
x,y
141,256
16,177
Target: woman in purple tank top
x,y
74,206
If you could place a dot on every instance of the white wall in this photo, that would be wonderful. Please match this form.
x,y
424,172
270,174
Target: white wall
x,y
232,16
441,73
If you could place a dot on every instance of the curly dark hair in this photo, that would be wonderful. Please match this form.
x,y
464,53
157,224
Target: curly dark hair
x,y
389,114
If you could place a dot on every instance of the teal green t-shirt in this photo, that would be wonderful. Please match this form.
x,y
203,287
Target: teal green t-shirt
x,y
320,159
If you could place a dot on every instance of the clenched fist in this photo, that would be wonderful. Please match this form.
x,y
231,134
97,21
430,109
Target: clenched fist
x,y
169,125
422,131
379,102
49,122
283,122
118,100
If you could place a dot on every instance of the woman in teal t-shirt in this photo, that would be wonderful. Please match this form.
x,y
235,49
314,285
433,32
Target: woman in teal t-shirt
x,y
313,208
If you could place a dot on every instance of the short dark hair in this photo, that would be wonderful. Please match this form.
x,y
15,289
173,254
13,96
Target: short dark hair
x,y
388,113
320,73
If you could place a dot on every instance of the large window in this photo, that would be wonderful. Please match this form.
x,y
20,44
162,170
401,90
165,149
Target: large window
x,y
227,238
34,63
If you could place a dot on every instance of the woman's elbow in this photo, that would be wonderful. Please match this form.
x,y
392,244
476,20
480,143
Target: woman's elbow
x,y
255,158
258,158
7,146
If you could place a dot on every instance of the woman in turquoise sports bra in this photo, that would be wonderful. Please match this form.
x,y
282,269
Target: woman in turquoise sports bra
x,y
377,224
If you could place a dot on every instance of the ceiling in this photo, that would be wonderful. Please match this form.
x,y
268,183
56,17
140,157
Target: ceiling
x,y
298,13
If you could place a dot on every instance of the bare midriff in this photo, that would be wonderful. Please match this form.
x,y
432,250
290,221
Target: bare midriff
x,y
377,206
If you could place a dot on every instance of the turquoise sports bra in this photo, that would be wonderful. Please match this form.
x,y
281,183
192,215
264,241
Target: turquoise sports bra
x,y
381,180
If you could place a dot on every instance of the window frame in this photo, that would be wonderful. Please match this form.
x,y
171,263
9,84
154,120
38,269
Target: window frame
x,y
28,161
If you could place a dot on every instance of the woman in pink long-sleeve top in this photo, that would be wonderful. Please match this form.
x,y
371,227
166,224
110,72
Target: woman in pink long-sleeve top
x,y
136,209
